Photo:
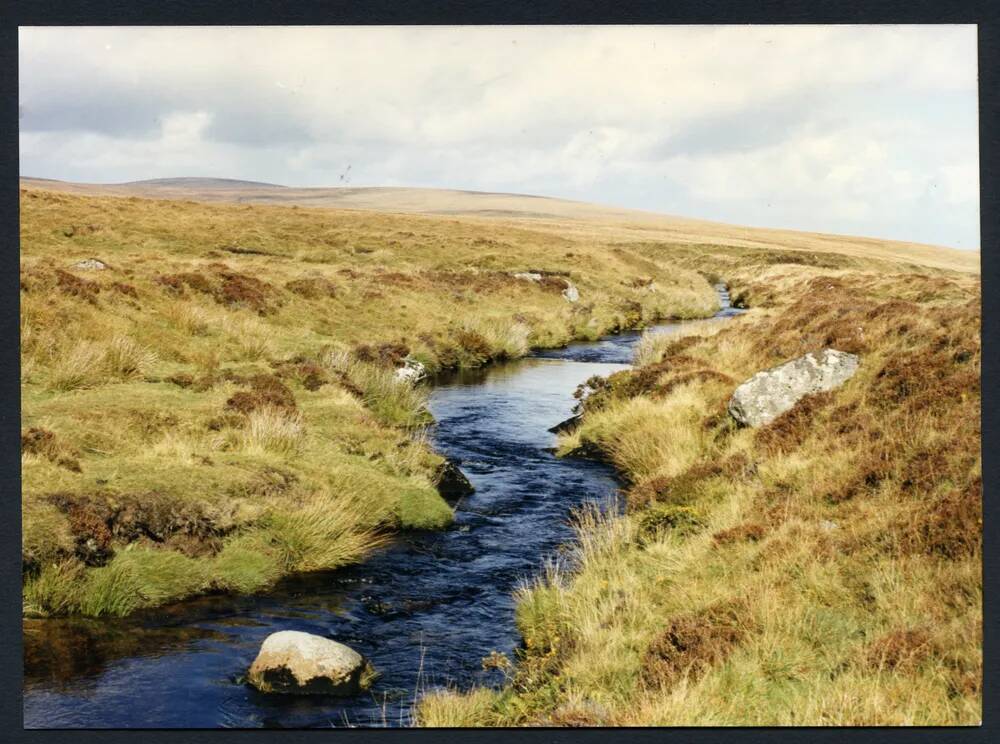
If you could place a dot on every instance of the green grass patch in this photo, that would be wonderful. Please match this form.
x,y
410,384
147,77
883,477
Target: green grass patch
x,y
423,509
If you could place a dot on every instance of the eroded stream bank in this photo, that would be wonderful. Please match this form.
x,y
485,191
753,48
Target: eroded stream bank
x,y
426,610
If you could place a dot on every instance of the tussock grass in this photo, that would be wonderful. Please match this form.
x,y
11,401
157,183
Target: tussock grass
x,y
394,401
653,346
46,533
53,590
251,338
645,437
141,577
246,564
88,363
271,429
78,367
648,439
502,338
126,359
192,320
135,578
439,709
326,533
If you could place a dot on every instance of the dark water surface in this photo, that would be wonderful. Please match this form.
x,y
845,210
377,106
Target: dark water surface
x,y
426,610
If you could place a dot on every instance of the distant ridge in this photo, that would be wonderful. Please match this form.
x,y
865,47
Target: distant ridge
x,y
197,182
556,216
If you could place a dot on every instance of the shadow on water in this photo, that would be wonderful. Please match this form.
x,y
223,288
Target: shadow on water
x,y
425,610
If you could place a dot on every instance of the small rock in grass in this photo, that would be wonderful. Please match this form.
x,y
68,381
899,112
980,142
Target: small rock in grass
x,y
528,276
90,264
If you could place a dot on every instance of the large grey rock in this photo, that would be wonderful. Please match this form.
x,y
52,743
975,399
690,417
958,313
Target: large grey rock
x,y
291,661
768,394
571,293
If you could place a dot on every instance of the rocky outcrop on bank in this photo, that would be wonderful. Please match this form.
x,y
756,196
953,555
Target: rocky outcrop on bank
x,y
768,394
556,280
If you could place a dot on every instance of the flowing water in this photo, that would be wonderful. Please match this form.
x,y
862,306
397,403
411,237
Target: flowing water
x,y
425,610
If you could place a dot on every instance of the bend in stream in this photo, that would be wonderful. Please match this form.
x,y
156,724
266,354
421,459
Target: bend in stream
x,y
425,610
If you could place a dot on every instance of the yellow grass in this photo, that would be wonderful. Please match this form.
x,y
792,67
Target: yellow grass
x,y
822,570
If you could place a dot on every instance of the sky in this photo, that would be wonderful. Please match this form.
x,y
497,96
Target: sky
x,y
862,130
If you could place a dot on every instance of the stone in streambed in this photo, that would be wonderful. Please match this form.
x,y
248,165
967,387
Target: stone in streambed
x,y
770,393
567,426
452,483
291,661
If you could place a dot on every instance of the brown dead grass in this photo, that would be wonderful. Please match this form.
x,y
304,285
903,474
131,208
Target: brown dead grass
x,y
225,286
43,443
75,286
266,391
313,288
951,526
691,644
38,441
789,430
746,532
389,354
306,372
899,650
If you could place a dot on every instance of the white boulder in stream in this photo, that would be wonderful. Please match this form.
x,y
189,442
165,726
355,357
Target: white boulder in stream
x,y
770,393
291,661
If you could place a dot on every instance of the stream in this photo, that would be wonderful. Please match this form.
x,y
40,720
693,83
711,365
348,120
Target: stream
x,y
425,610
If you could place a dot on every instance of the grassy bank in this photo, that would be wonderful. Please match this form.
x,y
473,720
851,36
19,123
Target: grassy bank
x,y
822,570
218,406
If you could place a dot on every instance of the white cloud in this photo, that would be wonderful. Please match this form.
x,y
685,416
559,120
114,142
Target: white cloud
x,y
818,127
